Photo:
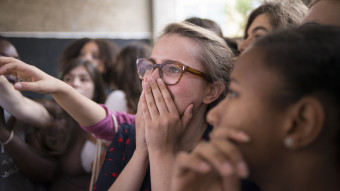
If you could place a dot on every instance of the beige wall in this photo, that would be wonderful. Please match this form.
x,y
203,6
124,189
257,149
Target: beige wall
x,y
112,17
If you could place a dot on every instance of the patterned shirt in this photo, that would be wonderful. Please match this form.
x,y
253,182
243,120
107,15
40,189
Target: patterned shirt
x,y
119,154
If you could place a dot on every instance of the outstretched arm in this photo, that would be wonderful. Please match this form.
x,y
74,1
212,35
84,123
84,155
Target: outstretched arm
x,y
21,107
85,111
110,125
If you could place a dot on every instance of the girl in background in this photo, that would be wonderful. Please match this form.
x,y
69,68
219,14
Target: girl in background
x,y
125,97
272,16
102,53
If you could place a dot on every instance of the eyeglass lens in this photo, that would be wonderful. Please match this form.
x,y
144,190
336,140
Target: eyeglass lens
x,y
169,72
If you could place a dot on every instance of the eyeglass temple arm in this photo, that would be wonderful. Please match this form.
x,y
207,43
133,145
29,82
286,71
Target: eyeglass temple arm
x,y
193,71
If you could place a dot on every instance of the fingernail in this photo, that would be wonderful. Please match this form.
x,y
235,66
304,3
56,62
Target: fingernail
x,y
18,86
146,85
159,81
151,81
244,136
190,110
227,169
204,167
242,169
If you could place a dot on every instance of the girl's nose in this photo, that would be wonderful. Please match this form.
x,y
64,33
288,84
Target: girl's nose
x,y
215,115
87,56
243,45
75,82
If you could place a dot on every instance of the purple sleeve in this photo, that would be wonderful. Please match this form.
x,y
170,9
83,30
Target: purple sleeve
x,y
124,118
105,129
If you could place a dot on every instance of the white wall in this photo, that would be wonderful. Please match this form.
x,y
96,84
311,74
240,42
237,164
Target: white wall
x,y
65,18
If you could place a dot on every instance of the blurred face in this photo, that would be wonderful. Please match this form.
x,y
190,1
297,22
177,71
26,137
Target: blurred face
x,y
259,27
191,88
80,80
248,107
90,51
324,12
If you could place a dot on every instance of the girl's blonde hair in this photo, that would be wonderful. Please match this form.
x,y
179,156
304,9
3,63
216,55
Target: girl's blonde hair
x,y
213,53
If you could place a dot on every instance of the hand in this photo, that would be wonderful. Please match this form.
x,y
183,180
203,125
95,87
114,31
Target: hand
x,y
191,174
33,79
163,122
220,158
140,125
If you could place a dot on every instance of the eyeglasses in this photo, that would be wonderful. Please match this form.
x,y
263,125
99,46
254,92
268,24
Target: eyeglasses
x,y
171,72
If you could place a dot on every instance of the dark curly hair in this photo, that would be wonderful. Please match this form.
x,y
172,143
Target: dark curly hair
x,y
108,52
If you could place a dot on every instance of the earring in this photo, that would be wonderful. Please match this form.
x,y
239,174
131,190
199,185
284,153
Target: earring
x,y
289,142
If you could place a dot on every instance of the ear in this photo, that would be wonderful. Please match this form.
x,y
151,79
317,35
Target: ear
x,y
304,124
213,91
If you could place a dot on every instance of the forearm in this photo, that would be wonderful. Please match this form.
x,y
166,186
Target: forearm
x,y
34,165
107,127
85,111
21,107
161,166
135,170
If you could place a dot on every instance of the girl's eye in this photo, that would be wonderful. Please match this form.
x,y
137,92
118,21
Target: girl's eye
x,y
257,36
171,69
84,79
149,67
95,56
232,94
174,69
67,79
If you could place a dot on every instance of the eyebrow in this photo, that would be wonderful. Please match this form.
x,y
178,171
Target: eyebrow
x,y
259,28
85,75
80,74
166,60
234,80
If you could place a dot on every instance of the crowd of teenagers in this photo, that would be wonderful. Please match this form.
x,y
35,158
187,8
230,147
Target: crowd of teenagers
x,y
195,111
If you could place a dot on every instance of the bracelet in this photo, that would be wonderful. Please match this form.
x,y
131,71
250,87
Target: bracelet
x,y
9,139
